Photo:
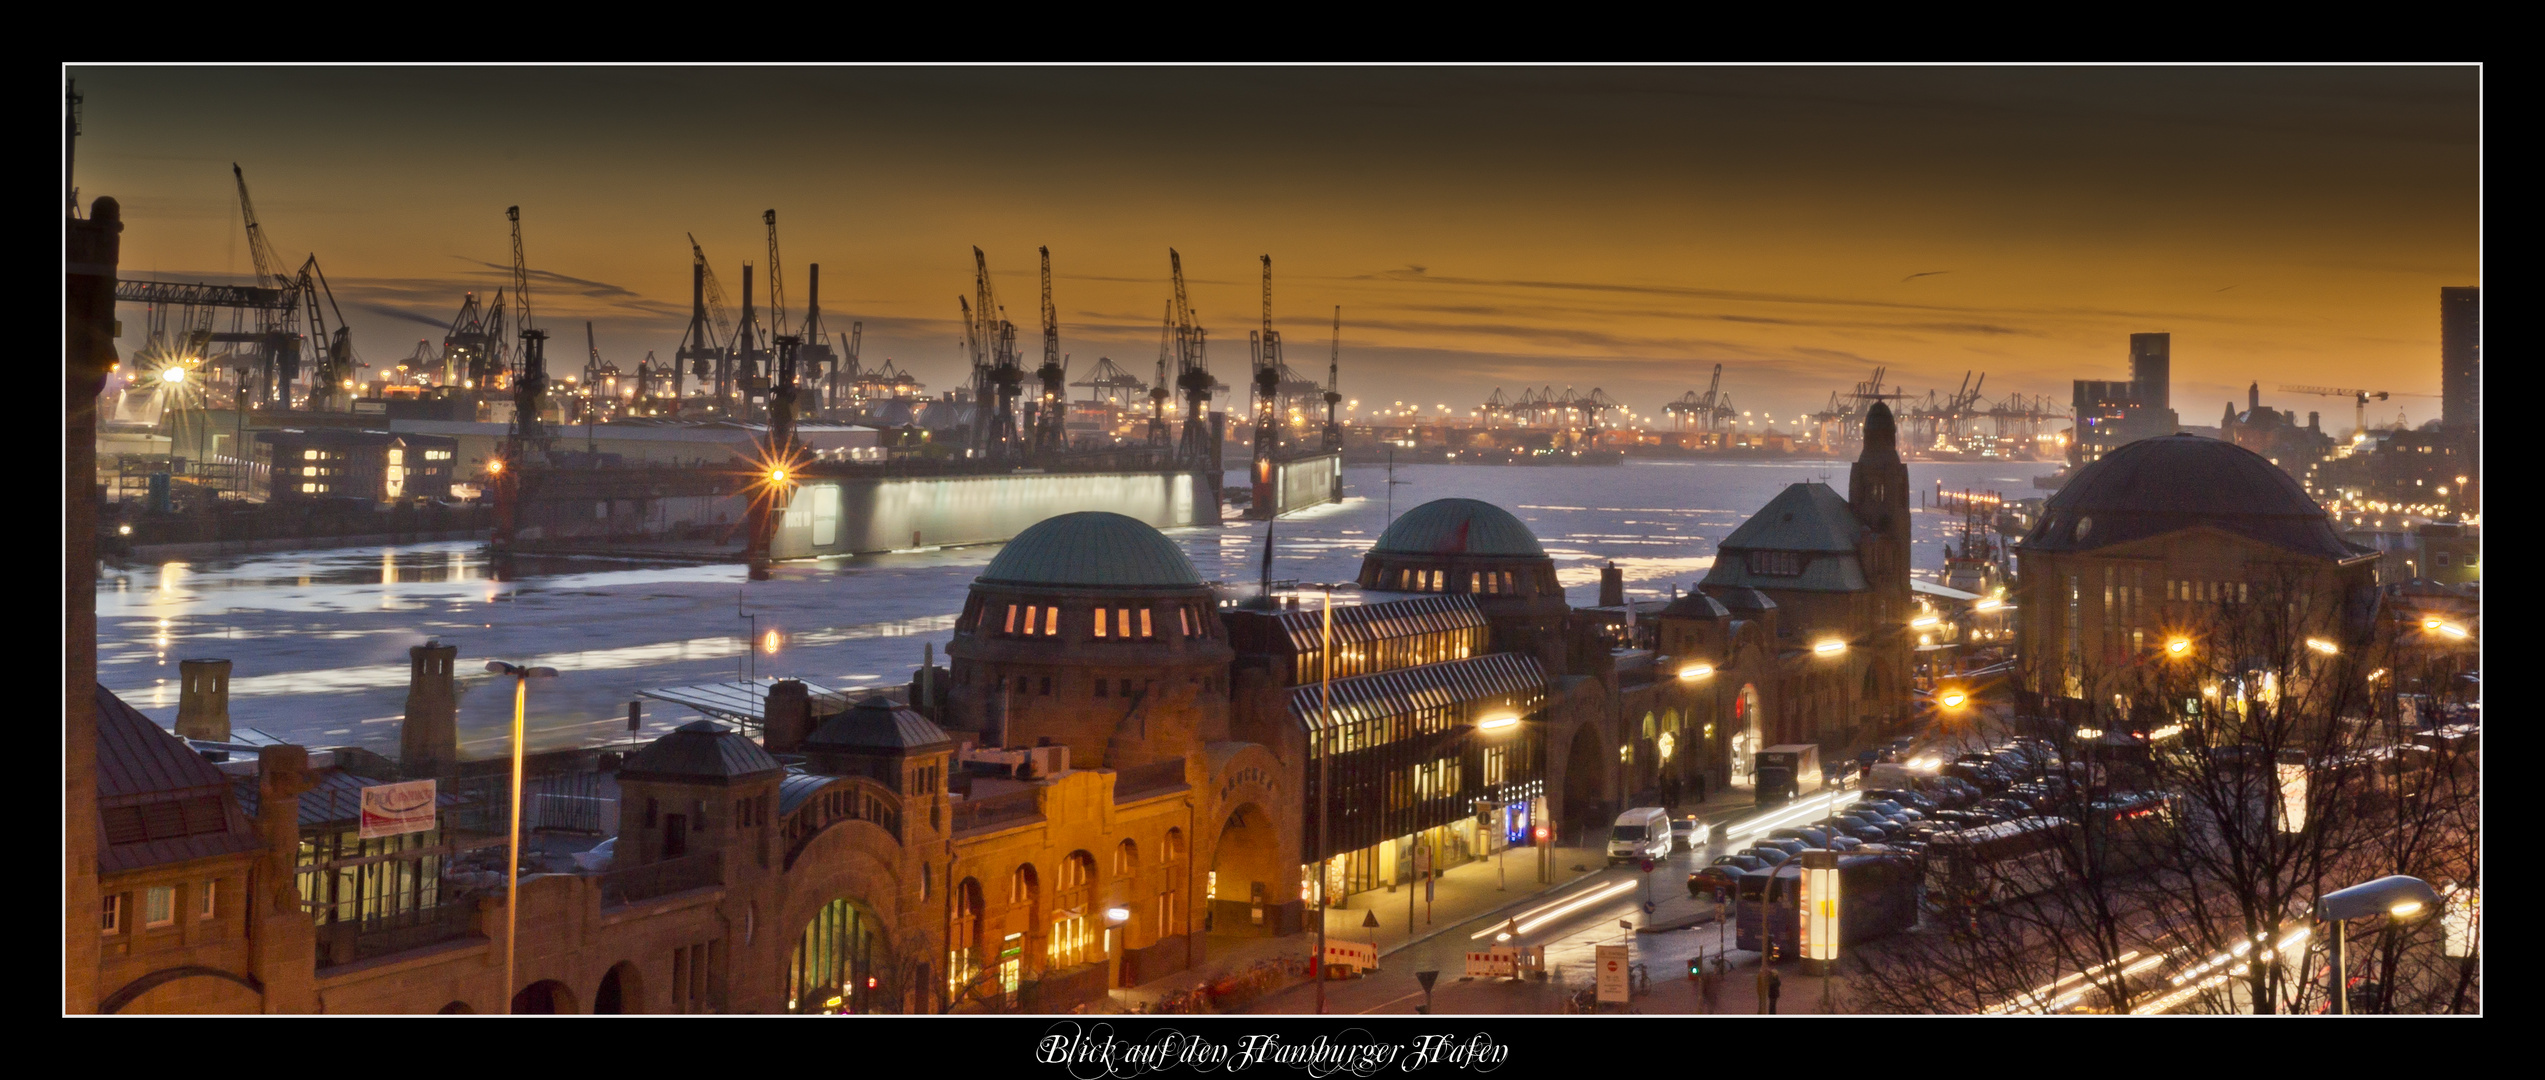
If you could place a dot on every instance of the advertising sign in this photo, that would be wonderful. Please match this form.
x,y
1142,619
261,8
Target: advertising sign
x,y
1611,962
397,809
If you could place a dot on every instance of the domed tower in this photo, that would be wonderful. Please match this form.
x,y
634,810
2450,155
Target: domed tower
x,y
1468,546
1878,494
2160,537
1091,631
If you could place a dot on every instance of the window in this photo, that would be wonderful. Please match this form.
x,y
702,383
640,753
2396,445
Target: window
x,y
205,903
309,455
1776,563
1184,616
159,906
1101,687
112,914
1497,759
1144,623
1046,691
1126,859
1051,622
1100,622
1011,619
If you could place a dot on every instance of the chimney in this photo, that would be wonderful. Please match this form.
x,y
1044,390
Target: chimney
x,y
2253,398
1612,586
203,700
428,740
789,717
2314,421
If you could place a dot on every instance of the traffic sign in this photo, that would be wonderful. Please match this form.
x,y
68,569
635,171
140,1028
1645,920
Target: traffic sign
x,y
1648,909
1647,865
1610,960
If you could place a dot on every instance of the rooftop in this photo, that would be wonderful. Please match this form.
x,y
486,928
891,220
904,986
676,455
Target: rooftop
x,y
2174,482
1458,527
1092,548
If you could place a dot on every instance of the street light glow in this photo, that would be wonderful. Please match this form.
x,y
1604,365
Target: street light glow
x,y
2178,646
2322,646
172,374
1694,672
1830,647
1953,699
2405,909
1498,722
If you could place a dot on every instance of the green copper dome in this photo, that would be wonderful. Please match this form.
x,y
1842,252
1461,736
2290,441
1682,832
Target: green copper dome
x,y
1458,527
1092,548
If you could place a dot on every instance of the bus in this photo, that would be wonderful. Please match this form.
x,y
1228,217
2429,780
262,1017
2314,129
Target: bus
x,y
1877,897
1995,863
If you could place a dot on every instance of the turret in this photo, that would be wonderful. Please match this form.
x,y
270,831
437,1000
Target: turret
x,y
203,700
428,739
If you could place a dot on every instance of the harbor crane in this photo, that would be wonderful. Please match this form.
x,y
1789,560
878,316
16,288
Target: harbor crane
x,y
1192,372
1704,411
2359,401
1051,432
530,382
1158,391
1334,388
277,329
702,348
1265,347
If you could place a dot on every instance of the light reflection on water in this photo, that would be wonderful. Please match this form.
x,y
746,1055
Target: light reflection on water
x,y
319,639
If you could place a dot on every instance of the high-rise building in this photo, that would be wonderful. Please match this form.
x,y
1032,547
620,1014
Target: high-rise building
x,y
2111,414
2461,357
2152,368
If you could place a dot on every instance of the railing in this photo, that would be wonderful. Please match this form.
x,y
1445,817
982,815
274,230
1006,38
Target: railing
x,y
998,810
629,886
1140,780
346,942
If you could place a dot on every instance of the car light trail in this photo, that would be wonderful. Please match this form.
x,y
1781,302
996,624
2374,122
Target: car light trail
x,y
1803,811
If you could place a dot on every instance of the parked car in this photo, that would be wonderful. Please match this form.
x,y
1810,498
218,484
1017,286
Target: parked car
x,y
1911,799
1845,843
1720,877
1809,835
1892,809
1739,862
1787,845
597,859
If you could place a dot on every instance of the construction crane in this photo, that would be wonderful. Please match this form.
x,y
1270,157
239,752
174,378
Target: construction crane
x,y
1192,372
2359,401
1334,385
1050,432
1264,345
748,347
998,376
335,364
530,382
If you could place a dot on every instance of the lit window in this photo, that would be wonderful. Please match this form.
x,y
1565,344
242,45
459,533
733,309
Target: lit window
x,y
308,487
205,905
1011,619
159,906
1100,622
309,455
1184,616
1144,623
1051,621
309,470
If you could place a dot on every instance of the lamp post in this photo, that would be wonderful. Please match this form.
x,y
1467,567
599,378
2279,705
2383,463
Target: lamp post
x,y
512,863
2398,896
1325,780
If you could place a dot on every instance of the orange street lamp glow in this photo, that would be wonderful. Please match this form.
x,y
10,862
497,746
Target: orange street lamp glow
x,y
777,476
495,465
1830,647
2178,646
1953,699
1694,672
2322,646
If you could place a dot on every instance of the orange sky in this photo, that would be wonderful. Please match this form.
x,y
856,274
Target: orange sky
x,y
1625,229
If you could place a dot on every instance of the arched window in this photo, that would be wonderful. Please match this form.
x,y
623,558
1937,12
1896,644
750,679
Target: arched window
x,y
1072,895
963,945
1170,906
1126,859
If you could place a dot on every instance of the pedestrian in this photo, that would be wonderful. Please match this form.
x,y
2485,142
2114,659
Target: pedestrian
x,y
1775,988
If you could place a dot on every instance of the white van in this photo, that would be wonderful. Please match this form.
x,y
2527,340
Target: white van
x,y
1640,833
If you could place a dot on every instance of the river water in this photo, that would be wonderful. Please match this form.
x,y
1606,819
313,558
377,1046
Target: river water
x,y
318,639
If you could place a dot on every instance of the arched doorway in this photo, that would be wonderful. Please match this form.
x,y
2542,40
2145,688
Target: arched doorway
x,y
622,991
1022,928
1245,881
838,963
1586,764
963,940
543,997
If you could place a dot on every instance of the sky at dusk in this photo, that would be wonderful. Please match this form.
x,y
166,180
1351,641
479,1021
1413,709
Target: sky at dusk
x,y
1619,228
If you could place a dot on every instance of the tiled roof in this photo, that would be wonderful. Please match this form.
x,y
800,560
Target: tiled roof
x,y
2175,482
1458,527
1092,548
334,798
1404,690
879,723
1803,517
158,801
1363,623
700,749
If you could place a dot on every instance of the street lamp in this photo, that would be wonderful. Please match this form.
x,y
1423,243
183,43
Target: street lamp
x,y
2398,896
512,863
1819,916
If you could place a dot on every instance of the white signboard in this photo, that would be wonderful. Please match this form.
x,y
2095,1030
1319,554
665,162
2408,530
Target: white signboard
x,y
1357,955
397,809
1611,962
